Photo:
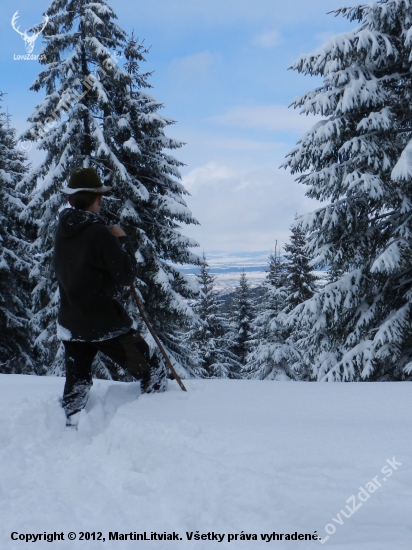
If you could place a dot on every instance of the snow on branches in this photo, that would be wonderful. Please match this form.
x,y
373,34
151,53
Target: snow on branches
x,y
358,161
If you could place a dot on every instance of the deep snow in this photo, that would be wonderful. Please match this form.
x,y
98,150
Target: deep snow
x,y
225,457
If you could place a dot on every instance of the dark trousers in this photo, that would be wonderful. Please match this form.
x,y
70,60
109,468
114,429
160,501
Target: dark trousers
x,y
129,350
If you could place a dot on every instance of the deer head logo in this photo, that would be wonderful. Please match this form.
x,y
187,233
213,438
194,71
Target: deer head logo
x,y
29,41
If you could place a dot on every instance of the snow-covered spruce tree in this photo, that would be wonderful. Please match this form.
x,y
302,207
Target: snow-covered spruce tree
x,y
358,160
272,357
242,314
95,115
15,264
300,285
67,125
151,207
299,279
209,344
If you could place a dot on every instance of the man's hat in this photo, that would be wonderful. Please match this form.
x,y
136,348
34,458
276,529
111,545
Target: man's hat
x,y
85,179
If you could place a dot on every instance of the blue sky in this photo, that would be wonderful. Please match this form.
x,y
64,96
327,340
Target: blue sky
x,y
221,71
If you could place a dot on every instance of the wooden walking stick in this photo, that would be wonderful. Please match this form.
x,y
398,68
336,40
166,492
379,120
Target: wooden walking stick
x,y
152,332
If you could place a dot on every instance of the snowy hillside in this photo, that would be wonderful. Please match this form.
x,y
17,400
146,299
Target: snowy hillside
x,y
227,267
226,283
227,457
229,281
233,262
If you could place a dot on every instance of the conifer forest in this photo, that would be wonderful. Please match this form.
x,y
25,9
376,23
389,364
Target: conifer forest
x,y
98,110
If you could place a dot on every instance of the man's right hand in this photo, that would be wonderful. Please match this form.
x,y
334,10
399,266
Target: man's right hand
x,y
117,231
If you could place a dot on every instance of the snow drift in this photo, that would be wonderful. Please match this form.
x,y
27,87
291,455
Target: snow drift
x,y
228,456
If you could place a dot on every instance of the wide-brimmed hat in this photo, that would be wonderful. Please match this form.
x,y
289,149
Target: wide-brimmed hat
x,y
85,179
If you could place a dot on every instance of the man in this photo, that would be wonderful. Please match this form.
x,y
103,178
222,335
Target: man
x,y
92,261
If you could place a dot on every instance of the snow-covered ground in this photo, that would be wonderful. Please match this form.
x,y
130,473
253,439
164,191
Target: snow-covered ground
x,y
225,283
228,266
219,261
227,457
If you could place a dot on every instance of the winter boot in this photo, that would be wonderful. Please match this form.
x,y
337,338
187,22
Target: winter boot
x,y
156,378
73,420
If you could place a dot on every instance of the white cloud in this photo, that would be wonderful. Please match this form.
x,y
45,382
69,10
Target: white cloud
x,y
243,209
267,117
268,39
193,66
237,144
206,174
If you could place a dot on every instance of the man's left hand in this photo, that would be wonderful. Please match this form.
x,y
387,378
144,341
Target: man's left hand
x,y
117,231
